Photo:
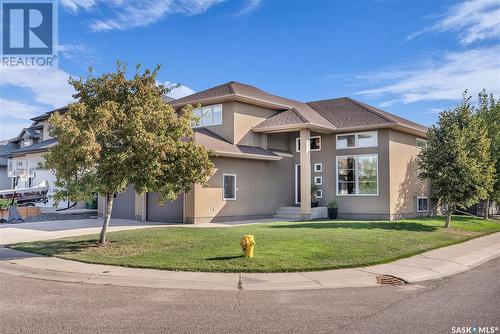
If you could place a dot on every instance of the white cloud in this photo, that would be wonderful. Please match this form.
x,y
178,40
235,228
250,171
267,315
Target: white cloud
x,y
75,5
178,91
48,86
16,109
443,79
476,20
128,14
250,6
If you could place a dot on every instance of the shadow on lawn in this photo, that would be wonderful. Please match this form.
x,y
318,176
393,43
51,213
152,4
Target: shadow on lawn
x,y
56,247
394,226
223,258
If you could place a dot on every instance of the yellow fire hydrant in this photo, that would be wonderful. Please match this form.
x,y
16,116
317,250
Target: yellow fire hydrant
x,y
247,242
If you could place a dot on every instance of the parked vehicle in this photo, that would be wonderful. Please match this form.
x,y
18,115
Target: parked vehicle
x,y
28,196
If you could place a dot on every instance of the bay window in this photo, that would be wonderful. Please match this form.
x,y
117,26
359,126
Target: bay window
x,y
357,175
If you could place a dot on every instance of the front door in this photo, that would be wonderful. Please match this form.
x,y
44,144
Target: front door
x,y
297,184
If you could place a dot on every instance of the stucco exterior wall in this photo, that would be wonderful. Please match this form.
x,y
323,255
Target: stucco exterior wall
x,y
237,121
405,185
263,186
5,182
351,206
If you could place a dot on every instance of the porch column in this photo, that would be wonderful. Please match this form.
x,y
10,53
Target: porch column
x,y
305,174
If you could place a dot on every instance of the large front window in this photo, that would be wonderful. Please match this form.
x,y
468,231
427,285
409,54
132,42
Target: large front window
x,y
209,115
357,175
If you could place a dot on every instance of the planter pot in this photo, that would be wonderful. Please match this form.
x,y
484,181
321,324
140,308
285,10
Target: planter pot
x,y
314,204
332,213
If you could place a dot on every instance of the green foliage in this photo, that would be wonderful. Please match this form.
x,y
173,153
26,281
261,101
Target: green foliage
x,y
5,203
457,158
119,132
314,189
332,205
489,113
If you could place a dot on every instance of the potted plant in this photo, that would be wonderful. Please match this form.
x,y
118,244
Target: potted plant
x,y
333,210
314,200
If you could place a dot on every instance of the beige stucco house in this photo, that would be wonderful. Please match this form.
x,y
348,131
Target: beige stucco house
x,y
271,150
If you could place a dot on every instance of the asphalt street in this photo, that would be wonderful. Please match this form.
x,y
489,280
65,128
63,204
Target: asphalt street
x,y
465,300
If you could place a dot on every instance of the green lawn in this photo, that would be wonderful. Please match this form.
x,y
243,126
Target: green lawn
x,y
298,246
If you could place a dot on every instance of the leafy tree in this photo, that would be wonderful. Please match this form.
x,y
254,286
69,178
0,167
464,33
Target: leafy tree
x,y
489,113
122,132
457,159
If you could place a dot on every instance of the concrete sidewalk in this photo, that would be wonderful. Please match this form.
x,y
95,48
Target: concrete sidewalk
x,y
430,265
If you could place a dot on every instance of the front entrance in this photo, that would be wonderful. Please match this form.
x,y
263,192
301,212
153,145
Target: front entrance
x,y
297,184
171,211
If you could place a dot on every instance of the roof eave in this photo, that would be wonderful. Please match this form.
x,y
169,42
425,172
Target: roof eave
x,y
293,127
234,97
246,156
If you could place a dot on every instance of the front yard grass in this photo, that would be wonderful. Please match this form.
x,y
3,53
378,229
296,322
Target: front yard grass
x,y
280,247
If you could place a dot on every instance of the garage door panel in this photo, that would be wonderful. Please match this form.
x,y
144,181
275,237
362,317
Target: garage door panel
x,y
124,204
171,211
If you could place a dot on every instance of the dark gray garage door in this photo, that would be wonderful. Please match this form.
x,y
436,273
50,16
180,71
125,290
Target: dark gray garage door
x,y
171,211
124,204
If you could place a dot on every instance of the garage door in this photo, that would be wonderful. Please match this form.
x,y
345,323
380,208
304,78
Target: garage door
x,y
171,211
124,204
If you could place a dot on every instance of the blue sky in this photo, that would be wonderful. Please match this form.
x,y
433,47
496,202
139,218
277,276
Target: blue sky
x,y
411,58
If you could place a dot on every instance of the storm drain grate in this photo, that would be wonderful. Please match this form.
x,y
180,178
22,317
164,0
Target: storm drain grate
x,y
390,280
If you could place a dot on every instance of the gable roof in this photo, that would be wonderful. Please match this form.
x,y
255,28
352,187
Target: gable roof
x,y
38,147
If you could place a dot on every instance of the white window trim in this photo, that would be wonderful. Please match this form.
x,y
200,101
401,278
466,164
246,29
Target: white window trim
x,y
356,145
320,178
356,180
224,187
320,170
320,191
210,106
297,146
428,202
420,139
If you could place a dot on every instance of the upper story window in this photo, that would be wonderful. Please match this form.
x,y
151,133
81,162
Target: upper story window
x,y
209,115
357,140
315,143
26,142
421,143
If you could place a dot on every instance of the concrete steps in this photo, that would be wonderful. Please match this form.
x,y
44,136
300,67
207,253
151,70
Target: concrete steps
x,y
293,213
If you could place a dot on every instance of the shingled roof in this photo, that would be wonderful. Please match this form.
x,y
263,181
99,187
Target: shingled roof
x,y
345,113
222,147
340,114
238,91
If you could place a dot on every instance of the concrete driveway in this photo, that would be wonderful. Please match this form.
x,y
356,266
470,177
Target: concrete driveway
x,y
24,232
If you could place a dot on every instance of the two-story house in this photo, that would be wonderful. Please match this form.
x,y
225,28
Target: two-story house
x,y
271,150
26,150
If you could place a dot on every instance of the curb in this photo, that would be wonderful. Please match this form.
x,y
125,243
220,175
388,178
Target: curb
x,y
435,264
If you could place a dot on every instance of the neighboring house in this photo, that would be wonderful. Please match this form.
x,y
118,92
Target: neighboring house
x,y
29,146
270,150
6,146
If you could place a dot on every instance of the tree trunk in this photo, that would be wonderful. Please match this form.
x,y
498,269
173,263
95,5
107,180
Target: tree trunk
x,y
487,209
448,219
107,218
